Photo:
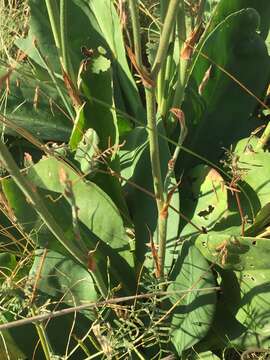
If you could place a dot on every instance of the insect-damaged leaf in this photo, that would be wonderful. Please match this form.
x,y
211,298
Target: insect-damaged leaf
x,y
194,309
204,198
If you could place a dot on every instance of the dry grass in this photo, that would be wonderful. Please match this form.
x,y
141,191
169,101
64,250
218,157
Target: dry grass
x,y
14,16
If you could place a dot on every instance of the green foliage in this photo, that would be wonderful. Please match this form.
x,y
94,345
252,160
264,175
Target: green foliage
x,y
155,237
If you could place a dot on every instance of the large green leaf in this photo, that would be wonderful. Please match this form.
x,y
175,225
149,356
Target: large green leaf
x,y
226,7
61,277
101,28
99,114
254,308
227,331
235,252
96,84
35,106
41,31
105,233
110,26
235,46
91,201
204,198
194,312
252,162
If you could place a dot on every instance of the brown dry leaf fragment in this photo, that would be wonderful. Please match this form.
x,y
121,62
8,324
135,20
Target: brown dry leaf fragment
x,y
72,92
5,78
190,42
62,176
204,80
91,263
145,76
6,207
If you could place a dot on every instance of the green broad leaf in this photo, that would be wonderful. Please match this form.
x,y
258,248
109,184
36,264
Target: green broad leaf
x,y
40,30
103,236
204,198
253,311
33,225
194,311
235,46
87,151
91,201
101,28
260,223
62,278
95,82
136,169
35,106
234,252
226,7
252,162
78,128
110,28
226,330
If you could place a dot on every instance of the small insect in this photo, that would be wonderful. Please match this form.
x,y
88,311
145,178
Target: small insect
x,y
87,53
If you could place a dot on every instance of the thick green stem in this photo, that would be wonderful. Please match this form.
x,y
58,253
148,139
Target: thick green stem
x,y
165,97
45,343
135,19
58,18
183,66
32,196
157,177
161,75
263,140
153,146
165,37
63,34
66,60
53,13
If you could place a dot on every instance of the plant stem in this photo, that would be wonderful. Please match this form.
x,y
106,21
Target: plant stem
x,y
32,196
165,37
165,98
157,177
66,61
53,13
135,19
63,9
183,66
45,343
153,145
162,72
59,30
263,140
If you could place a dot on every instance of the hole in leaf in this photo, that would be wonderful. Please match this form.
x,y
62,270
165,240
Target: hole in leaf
x,y
206,212
204,243
254,242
